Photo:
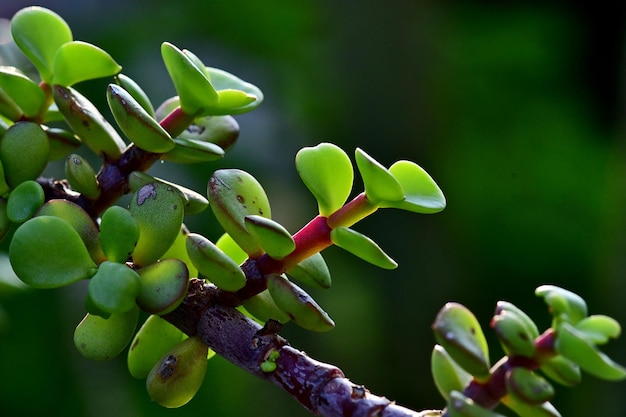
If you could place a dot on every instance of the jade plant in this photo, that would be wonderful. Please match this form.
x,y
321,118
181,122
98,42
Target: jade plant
x,y
231,296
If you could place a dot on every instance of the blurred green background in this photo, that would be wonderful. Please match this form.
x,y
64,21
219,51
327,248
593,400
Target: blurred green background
x,y
515,108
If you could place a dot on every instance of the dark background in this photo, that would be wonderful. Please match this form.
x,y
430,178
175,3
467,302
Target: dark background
x,y
515,108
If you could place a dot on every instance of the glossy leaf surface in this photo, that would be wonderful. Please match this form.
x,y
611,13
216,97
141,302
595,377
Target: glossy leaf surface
x,y
136,92
192,84
380,184
459,332
564,305
327,172
312,271
24,150
214,264
78,61
163,286
234,194
298,305
112,289
599,328
447,374
119,233
136,123
38,260
224,81
102,339
24,201
22,90
361,246
81,176
39,33
272,236
562,370
461,406
421,193
528,386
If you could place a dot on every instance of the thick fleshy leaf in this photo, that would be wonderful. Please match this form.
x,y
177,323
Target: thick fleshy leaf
x,y
461,406
421,193
62,142
514,332
88,123
361,246
81,176
564,305
4,187
263,308
327,172
459,332
528,386
562,370
380,185
46,252
599,328
119,233
234,194
189,151
298,305
447,374
214,264
8,109
78,61
572,344
102,339
225,81
82,222
312,271
193,201
24,151
192,84
153,340
5,223
163,286
39,33
231,248
178,250
159,211
136,91
272,236
523,409
112,289
22,90
24,201
136,123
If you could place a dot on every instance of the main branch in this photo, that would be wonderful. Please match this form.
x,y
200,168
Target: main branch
x,y
321,388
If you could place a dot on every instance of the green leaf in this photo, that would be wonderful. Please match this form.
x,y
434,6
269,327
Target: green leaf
x,y
193,201
421,193
263,308
214,264
82,222
136,123
159,211
231,248
112,289
22,90
327,172
88,123
46,252
78,61
136,91
461,406
189,151
561,370
447,374
234,194
163,286
8,109
102,339
458,331
81,176
273,237
514,330
361,246
24,150
298,305
572,344
564,305
62,142
528,386
192,84
39,33
312,271
24,201
599,328
119,233
225,81
380,184
524,409
153,340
